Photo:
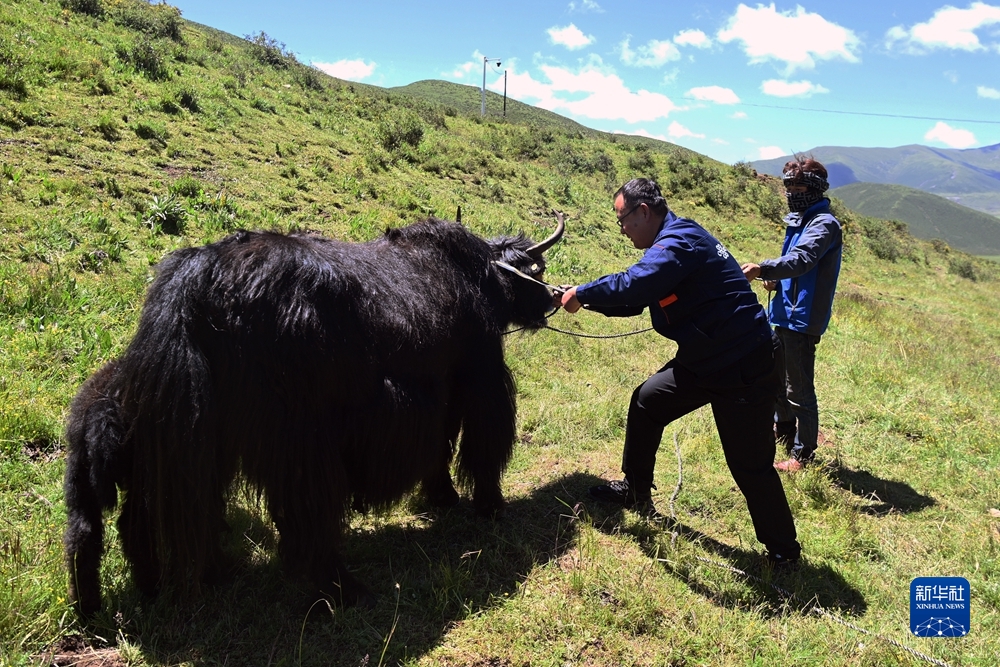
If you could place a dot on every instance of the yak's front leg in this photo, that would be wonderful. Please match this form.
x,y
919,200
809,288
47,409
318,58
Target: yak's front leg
x,y
436,485
488,428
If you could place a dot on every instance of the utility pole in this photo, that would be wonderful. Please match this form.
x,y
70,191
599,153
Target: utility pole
x,y
482,111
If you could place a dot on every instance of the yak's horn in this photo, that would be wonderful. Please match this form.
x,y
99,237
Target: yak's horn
x,y
458,215
538,249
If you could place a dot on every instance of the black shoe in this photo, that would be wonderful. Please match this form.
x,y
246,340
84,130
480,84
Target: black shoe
x,y
618,491
781,562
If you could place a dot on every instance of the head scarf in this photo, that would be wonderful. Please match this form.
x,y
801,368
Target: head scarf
x,y
815,184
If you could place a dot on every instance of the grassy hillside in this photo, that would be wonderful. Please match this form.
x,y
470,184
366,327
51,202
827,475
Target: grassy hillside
x,y
126,133
970,177
928,216
468,100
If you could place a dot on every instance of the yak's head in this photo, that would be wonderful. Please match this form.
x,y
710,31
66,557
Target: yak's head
x,y
521,263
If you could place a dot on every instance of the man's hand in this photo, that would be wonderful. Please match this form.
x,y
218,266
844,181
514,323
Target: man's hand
x,y
751,271
569,302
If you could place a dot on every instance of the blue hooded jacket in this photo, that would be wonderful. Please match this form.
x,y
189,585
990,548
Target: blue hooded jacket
x,y
807,270
696,294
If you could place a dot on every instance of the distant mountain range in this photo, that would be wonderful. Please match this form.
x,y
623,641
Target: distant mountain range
x,y
928,216
970,177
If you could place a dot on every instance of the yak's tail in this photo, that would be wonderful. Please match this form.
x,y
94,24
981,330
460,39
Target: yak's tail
x,y
94,468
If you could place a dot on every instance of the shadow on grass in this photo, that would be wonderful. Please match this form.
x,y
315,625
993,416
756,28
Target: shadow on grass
x,y
883,495
430,570
686,558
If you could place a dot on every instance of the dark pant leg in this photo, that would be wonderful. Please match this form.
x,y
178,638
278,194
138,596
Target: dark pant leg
x,y
742,408
667,395
799,401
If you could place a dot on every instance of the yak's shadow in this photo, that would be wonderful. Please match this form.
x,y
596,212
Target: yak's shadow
x,y
882,496
692,553
428,570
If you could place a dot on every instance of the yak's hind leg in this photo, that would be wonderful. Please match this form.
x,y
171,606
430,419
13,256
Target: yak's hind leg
x,y
307,495
488,427
134,526
94,469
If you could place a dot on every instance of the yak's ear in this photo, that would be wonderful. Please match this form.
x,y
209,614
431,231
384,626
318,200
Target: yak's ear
x,y
458,215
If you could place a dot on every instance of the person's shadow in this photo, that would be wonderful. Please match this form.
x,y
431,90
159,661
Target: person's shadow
x,y
881,496
685,552
429,570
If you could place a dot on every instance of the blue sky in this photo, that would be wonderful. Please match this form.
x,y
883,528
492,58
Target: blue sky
x,y
730,80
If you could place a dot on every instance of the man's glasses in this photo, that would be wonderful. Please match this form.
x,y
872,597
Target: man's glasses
x,y
621,218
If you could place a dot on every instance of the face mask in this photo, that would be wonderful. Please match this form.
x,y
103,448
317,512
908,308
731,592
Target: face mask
x,y
800,201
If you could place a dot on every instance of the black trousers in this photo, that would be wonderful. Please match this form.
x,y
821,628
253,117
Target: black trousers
x,y
742,398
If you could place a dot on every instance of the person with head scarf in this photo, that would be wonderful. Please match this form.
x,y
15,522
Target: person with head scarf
x,y
804,280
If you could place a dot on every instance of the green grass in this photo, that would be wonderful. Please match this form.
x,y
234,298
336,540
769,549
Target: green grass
x,y
106,167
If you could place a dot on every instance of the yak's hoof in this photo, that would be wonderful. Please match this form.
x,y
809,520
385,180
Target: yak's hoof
x,y
442,497
493,510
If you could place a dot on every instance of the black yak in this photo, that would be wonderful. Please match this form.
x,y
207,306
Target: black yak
x,y
331,376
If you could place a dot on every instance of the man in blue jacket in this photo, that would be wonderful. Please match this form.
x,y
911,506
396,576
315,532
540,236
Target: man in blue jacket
x,y
726,356
805,277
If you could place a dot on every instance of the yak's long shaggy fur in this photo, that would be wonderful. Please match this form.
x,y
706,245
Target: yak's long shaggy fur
x,y
331,375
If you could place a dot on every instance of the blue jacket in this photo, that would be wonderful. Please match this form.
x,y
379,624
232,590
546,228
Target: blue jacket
x,y
696,295
807,270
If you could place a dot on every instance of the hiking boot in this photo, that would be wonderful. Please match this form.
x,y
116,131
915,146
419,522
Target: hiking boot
x,y
791,465
618,491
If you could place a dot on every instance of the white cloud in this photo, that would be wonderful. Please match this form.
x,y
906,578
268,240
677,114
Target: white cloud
x,y
643,133
654,53
949,28
586,6
571,37
721,142
695,38
770,152
988,93
797,38
590,93
716,94
739,115
950,136
351,70
467,70
677,131
781,88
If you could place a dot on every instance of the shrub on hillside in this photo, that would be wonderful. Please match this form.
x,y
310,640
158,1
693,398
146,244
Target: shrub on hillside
x,y
400,129
885,238
269,51
962,266
145,57
308,77
186,186
88,7
642,163
159,20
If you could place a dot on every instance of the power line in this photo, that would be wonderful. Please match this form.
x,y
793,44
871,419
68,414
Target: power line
x,y
866,113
